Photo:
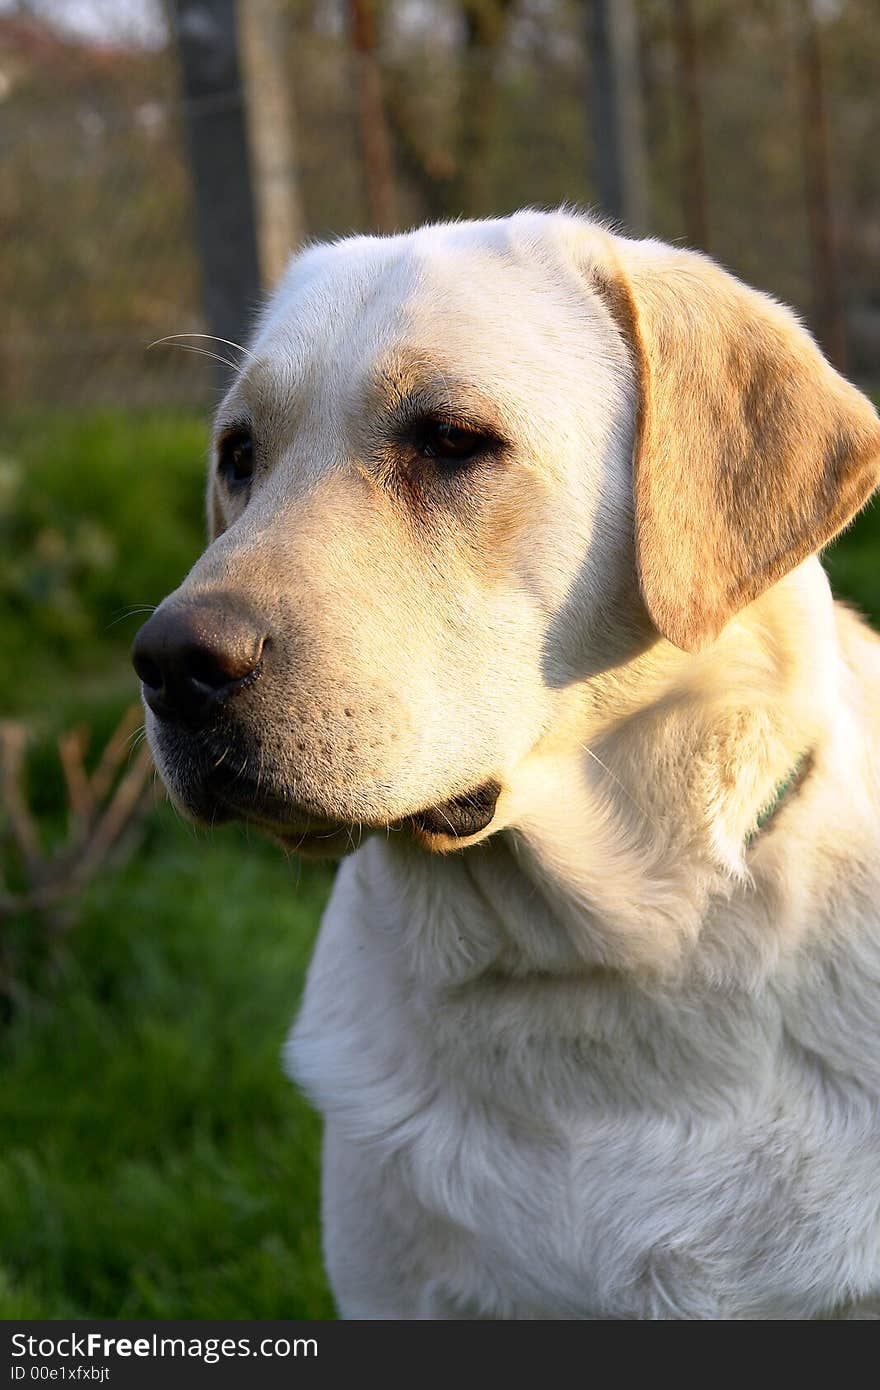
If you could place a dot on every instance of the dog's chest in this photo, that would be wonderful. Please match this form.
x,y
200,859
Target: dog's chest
x,y
575,1156
585,1207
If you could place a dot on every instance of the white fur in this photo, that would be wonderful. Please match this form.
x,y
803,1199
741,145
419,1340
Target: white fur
x,y
516,1130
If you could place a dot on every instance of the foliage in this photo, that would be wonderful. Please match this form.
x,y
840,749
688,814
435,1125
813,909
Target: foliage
x,y
100,514
852,564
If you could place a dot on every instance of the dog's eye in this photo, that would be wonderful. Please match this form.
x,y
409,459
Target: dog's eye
x,y
235,461
437,439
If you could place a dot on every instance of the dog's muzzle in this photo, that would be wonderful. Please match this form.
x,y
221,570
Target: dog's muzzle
x,y
218,750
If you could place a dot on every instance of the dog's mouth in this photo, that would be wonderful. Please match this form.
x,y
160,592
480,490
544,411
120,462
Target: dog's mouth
x,y
304,830
460,816
243,784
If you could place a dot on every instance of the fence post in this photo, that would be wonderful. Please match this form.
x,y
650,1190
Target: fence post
x,y
218,149
825,264
375,140
693,158
617,112
270,120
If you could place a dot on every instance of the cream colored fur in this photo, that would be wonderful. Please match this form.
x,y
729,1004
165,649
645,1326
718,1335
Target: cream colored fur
x,y
608,1064
617,1056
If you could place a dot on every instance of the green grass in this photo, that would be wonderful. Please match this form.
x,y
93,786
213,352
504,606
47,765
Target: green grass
x,y
155,1161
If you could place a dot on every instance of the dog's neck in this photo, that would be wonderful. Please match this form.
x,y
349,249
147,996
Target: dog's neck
x,y
636,820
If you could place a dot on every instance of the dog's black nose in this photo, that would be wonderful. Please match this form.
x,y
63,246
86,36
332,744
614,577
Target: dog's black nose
x,y
191,656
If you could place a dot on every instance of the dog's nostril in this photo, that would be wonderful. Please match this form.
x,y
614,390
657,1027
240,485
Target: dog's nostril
x,y
216,667
147,670
191,655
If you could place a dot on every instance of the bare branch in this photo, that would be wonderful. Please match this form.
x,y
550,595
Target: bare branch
x,y
118,813
13,739
71,753
99,815
114,752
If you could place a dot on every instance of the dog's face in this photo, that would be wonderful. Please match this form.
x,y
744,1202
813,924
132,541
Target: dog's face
x,y
422,502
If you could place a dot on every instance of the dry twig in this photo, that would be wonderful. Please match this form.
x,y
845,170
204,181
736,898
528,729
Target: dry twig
x,y
101,806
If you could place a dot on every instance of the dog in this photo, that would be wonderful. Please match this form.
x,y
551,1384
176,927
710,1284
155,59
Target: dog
x,y
513,603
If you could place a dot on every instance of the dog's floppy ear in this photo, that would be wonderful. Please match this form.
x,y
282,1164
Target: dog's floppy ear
x,y
751,451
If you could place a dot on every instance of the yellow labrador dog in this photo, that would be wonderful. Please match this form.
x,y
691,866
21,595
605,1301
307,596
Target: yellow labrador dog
x,y
513,591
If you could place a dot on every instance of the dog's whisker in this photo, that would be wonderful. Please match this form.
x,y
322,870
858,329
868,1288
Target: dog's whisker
x,y
627,793
447,820
209,337
135,740
202,352
130,612
213,337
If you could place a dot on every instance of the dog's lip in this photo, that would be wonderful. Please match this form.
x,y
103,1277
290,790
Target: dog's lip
x,y
300,823
324,839
458,817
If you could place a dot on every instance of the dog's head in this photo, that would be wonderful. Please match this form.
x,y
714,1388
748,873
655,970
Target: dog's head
x,y
460,472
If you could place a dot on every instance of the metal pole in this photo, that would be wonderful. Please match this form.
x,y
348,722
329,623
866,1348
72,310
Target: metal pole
x,y
218,149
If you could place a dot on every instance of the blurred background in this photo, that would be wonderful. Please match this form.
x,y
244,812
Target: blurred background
x,y
160,161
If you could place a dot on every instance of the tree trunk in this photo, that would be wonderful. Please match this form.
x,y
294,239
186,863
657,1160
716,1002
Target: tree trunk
x,y
375,144
485,24
827,308
271,128
616,114
693,155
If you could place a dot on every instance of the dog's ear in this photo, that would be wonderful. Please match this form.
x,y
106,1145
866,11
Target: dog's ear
x,y
751,451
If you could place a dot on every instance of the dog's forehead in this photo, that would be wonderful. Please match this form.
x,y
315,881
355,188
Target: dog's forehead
x,y
364,281
461,297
